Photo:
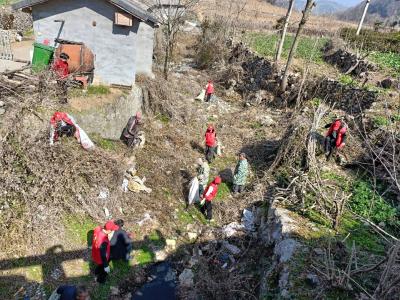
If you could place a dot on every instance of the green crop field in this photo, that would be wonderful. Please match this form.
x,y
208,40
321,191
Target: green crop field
x,y
388,60
266,44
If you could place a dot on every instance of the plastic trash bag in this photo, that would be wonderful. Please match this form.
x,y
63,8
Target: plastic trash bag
x,y
201,96
193,191
84,139
232,229
136,185
219,148
248,220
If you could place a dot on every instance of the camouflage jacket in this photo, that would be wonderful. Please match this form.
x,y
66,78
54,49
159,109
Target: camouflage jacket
x,y
241,172
203,174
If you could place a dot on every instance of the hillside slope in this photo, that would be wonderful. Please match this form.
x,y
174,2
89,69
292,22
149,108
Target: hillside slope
x,y
323,7
379,10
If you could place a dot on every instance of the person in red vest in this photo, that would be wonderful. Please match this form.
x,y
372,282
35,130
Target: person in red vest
x,y
101,250
335,137
209,91
211,143
61,70
208,196
61,124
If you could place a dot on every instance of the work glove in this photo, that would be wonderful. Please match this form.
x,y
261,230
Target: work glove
x,y
202,202
107,269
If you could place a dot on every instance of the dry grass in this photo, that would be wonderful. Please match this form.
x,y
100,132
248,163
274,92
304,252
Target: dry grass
x,y
259,15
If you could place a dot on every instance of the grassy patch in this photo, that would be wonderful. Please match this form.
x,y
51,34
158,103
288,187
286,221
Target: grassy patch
x,y
361,235
212,119
96,90
165,119
185,217
337,179
6,2
388,61
380,121
256,125
224,190
92,90
223,162
347,80
34,273
266,44
156,239
144,256
105,144
396,118
79,228
190,216
367,203
318,218
316,102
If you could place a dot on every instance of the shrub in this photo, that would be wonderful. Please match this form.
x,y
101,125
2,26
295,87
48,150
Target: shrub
x,y
372,40
367,203
211,47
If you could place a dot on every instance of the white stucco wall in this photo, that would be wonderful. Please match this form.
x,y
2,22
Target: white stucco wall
x,y
119,51
144,41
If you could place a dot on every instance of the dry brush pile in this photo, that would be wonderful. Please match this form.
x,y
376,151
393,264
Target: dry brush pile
x,y
41,184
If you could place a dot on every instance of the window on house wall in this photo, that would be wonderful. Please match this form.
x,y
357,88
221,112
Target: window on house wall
x,y
123,19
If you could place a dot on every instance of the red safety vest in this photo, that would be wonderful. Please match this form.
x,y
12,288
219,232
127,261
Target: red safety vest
x,y
61,68
214,192
337,127
210,89
99,237
210,138
340,136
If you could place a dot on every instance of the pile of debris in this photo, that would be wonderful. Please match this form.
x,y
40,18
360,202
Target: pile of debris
x,y
255,79
17,81
17,21
40,183
247,73
345,61
351,99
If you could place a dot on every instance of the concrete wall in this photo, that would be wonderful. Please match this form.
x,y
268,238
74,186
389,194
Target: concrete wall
x,y
115,47
144,42
109,120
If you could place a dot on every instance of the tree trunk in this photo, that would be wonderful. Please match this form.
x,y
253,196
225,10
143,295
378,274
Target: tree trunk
x,y
363,17
284,30
306,14
167,54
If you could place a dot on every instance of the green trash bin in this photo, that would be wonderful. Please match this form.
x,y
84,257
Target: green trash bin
x,y
42,56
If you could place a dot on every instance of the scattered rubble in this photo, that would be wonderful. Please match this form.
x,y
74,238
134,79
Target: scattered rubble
x,y
17,21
